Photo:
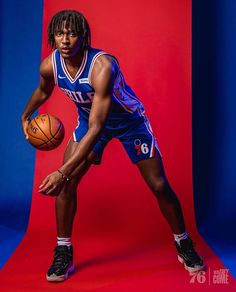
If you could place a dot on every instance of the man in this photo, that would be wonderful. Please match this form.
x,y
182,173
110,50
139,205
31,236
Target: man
x,y
107,108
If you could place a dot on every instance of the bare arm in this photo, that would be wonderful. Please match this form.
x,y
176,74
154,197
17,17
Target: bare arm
x,y
41,93
102,79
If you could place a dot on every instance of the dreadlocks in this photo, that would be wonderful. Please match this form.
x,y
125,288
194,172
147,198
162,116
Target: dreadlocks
x,y
73,19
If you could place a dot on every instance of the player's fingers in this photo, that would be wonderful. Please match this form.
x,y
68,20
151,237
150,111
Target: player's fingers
x,y
26,135
43,190
51,191
25,127
43,187
46,190
44,184
47,187
54,189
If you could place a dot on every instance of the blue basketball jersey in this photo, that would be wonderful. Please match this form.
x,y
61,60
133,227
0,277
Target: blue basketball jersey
x,y
81,92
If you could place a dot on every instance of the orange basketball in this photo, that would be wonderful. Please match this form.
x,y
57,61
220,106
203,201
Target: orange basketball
x,y
45,132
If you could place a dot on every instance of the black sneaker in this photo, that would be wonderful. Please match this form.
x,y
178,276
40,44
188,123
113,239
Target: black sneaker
x,y
62,264
188,256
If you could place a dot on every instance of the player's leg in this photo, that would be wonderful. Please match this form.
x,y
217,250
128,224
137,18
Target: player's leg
x,y
66,201
66,204
152,171
142,149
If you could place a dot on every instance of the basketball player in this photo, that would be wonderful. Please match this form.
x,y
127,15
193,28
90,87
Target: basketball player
x,y
107,108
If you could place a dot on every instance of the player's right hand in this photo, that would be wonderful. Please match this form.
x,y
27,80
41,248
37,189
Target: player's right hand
x,y
25,124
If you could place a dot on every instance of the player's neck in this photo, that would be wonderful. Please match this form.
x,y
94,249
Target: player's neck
x,y
73,64
75,61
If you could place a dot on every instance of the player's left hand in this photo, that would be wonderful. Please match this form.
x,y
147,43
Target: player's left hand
x,y
52,184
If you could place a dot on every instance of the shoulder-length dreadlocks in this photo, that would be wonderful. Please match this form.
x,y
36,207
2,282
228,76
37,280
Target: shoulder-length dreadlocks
x,y
73,19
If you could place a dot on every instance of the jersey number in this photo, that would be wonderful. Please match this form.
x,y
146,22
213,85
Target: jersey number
x,y
142,148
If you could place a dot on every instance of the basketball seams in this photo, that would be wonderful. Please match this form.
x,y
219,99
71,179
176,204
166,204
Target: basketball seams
x,y
40,145
48,139
44,142
40,131
40,128
36,137
50,126
58,130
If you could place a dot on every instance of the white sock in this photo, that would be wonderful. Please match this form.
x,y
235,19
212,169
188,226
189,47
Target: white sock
x,y
180,236
64,241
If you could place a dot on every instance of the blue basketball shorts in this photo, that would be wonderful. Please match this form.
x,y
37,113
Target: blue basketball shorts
x,y
134,132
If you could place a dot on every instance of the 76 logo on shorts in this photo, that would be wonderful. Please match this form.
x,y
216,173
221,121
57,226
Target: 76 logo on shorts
x,y
141,147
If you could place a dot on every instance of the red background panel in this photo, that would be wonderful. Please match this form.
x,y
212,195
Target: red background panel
x,y
152,42
121,240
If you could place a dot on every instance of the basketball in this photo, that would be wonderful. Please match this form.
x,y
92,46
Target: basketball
x,y
46,132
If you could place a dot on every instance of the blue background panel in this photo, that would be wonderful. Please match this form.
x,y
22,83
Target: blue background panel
x,y
214,127
20,54
214,124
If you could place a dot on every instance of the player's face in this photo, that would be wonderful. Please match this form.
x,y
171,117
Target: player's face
x,y
68,42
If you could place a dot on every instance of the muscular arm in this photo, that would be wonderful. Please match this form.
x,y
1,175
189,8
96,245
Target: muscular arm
x,y
102,81
41,93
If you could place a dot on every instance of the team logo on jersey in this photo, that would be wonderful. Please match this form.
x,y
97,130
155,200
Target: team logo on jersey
x,y
83,80
61,77
141,148
78,97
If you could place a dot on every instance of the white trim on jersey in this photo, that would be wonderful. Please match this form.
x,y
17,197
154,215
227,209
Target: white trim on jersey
x,y
119,74
149,128
80,70
74,137
125,91
54,67
92,64
124,94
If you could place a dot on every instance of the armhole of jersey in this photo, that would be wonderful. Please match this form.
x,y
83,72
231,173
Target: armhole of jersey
x,y
54,67
102,53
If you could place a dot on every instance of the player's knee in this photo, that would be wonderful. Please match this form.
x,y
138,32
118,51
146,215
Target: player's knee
x,y
66,196
68,191
159,186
